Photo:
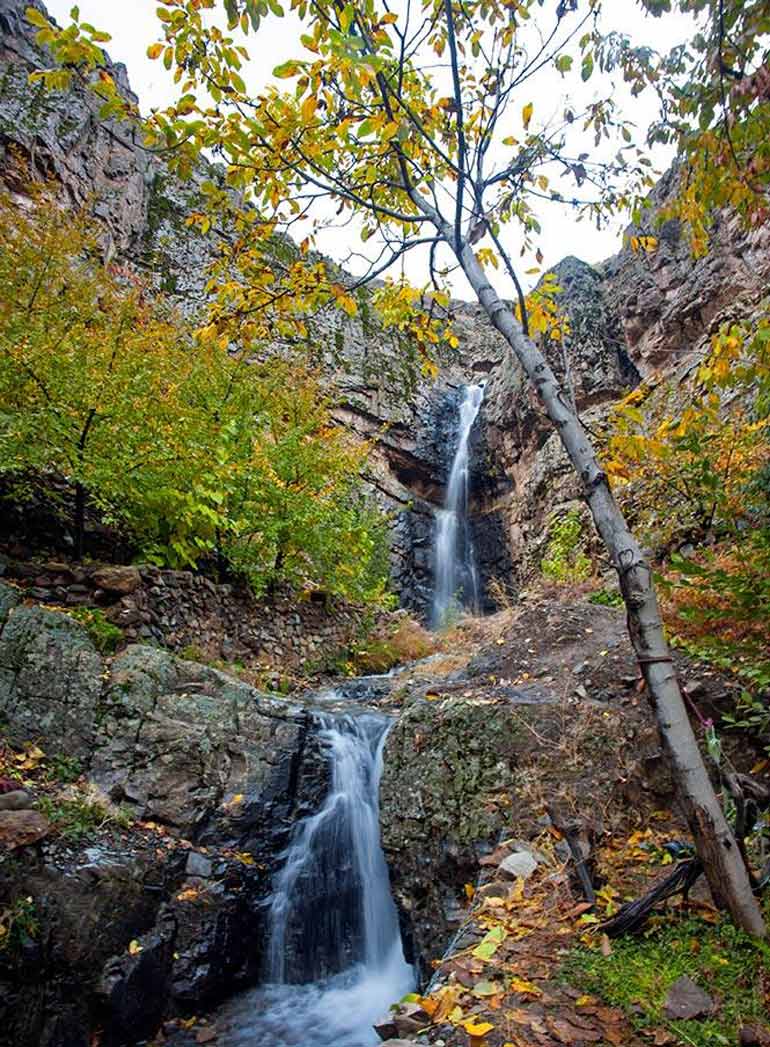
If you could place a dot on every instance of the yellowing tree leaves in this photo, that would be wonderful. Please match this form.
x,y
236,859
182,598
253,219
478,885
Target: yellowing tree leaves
x,y
526,114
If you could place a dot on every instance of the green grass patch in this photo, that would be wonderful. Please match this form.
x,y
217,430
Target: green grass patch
x,y
105,636
722,960
77,819
606,598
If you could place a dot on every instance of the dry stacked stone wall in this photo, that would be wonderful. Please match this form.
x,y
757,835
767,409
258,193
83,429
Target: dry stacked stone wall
x,y
182,610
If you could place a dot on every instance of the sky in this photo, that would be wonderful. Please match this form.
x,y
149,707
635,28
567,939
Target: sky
x,y
133,25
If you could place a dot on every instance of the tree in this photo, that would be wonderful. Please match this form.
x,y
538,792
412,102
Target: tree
x,y
714,94
81,355
404,123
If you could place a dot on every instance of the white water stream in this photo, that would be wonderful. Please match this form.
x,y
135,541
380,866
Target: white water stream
x,y
457,578
335,961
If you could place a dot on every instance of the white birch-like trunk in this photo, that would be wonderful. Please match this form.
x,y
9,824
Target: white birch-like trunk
x,y
727,875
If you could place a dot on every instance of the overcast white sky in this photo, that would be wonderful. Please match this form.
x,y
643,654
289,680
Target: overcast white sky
x,y
133,25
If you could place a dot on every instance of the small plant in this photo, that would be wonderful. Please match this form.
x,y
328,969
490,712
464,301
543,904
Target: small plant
x,y
79,817
18,925
105,636
606,598
191,652
407,643
751,715
65,769
565,558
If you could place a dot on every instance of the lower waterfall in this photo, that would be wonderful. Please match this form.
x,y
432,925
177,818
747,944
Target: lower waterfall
x,y
335,961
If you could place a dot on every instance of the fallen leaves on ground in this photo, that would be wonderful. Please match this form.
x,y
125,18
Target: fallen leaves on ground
x,y
502,986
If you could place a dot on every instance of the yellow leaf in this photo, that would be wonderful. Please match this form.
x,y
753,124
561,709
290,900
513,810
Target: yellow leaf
x,y
309,107
475,1030
154,51
526,114
134,947
523,986
470,890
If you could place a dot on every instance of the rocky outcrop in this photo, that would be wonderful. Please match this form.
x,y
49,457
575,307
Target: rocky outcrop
x,y
636,316
450,765
173,740
50,679
134,927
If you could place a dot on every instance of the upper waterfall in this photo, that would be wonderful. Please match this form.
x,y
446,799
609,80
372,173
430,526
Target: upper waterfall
x,y
457,577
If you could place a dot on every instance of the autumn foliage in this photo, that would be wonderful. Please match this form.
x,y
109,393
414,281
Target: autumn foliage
x,y
189,447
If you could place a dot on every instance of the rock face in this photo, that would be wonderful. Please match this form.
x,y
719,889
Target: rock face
x,y
171,739
50,679
632,317
449,765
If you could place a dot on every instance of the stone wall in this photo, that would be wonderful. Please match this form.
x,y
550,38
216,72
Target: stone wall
x,y
188,612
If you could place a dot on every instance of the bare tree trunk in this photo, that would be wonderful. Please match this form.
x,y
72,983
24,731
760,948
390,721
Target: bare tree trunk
x,y
724,867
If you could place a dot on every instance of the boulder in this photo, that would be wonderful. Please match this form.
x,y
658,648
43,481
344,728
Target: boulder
x,y
178,738
444,760
134,985
386,1028
198,865
21,828
122,580
519,864
409,1019
15,800
50,680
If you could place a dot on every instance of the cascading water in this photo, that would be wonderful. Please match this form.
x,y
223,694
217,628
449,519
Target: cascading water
x,y
457,578
335,961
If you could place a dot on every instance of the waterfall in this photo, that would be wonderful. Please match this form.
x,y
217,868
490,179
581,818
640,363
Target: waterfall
x,y
335,961
457,578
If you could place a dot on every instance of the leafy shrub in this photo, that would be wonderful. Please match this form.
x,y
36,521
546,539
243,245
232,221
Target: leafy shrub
x,y
565,557
18,925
